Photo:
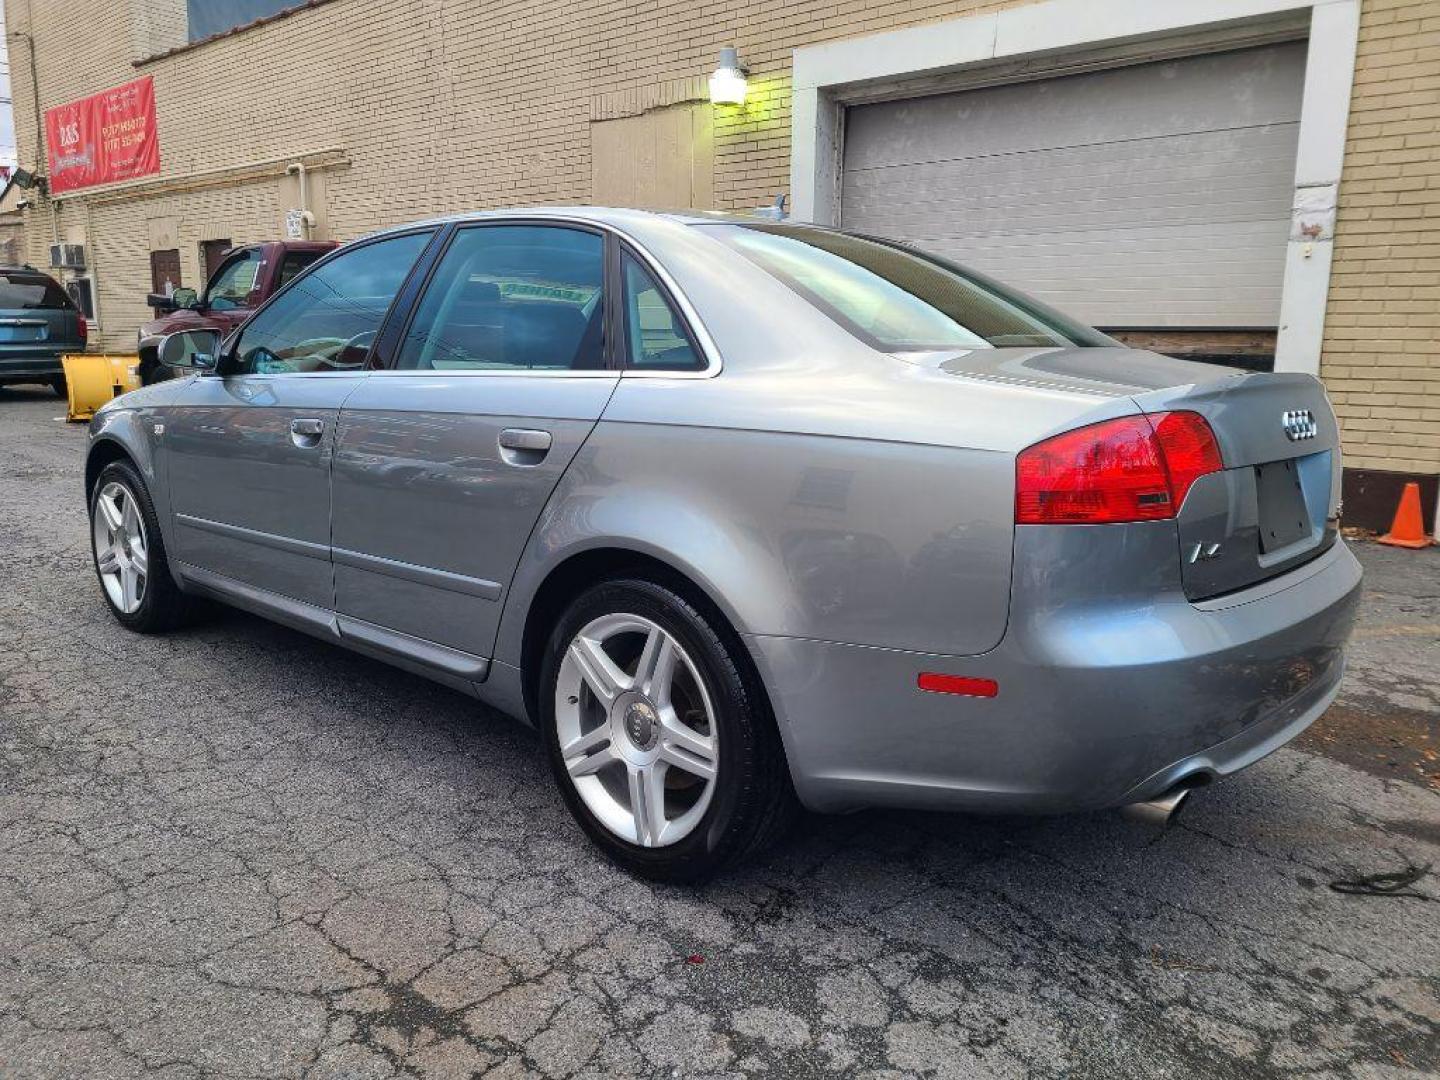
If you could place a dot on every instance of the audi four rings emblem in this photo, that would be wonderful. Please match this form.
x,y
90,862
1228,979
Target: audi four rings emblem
x,y
1299,424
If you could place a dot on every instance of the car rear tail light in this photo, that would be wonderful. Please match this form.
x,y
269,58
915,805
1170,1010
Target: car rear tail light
x,y
1189,449
964,685
1136,468
84,329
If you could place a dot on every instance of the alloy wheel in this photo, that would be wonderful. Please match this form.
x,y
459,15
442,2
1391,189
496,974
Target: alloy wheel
x,y
121,548
636,729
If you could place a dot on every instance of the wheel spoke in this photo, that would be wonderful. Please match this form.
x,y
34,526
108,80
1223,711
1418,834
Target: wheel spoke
x,y
589,753
686,748
647,803
129,587
656,669
129,515
601,674
110,512
139,559
108,560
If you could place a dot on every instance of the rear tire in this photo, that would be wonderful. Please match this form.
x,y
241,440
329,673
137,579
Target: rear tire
x,y
129,554
57,383
729,734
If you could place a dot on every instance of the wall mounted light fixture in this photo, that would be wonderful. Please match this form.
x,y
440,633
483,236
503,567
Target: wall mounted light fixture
x,y
728,83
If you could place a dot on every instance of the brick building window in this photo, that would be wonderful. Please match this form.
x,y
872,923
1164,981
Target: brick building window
x,y
163,26
165,271
206,18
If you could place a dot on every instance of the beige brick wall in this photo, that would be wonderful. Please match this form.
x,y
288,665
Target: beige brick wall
x,y
1381,358
159,25
443,105
12,240
439,105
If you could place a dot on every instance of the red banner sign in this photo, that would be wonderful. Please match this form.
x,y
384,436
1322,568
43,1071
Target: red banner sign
x,y
104,138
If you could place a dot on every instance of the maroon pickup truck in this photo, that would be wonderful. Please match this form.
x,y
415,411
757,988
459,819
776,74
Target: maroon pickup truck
x,y
246,278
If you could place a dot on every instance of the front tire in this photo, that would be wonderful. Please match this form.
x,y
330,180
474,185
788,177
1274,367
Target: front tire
x,y
57,384
661,740
129,553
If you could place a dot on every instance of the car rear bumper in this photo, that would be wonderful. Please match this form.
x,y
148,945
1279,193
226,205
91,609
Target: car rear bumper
x,y
1102,701
34,363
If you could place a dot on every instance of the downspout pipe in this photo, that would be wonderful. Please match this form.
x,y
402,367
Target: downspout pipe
x,y
307,219
39,121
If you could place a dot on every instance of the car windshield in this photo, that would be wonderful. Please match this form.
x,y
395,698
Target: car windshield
x,y
898,299
29,291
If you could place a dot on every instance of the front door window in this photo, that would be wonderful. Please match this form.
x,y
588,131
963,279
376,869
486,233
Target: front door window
x,y
328,320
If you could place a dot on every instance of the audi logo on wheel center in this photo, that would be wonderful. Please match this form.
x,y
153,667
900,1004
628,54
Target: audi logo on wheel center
x,y
1299,424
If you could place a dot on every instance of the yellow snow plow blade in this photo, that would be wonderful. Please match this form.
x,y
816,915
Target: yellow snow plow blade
x,y
91,379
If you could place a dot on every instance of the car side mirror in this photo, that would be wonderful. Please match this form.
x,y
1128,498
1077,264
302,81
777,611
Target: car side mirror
x,y
196,350
161,302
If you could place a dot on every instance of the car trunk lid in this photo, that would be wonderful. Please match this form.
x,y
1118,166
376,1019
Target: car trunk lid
x,y
36,315
22,327
1275,504
39,330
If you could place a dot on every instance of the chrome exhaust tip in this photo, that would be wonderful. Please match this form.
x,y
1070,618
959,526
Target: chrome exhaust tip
x,y
1159,811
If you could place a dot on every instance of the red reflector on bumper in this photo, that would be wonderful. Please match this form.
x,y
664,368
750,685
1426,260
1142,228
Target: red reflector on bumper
x,y
936,683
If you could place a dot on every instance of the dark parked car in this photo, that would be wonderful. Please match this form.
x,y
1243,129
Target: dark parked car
x,y
39,323
246,278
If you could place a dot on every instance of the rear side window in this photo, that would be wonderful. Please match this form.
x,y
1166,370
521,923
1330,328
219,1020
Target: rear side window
x,y
897,299
32,291
512,297
294,262
655,335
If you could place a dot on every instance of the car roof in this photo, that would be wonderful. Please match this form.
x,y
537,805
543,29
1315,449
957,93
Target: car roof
x,y
613,216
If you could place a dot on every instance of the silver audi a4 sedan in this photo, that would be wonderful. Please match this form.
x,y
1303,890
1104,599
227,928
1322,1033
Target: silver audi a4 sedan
x,y
746,515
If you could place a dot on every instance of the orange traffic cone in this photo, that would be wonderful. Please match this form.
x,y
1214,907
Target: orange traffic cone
x,y
1407,530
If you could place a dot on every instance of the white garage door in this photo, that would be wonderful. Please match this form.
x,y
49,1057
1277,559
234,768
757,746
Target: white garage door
x,y
1148,196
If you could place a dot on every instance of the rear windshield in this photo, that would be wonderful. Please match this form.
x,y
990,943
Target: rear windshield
x,y
897,299
31,291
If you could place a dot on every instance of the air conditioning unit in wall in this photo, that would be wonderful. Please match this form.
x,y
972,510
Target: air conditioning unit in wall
x,y
67,256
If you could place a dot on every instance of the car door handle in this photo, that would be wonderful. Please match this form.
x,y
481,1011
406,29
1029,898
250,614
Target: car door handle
x,y
305,431
524,446
525,439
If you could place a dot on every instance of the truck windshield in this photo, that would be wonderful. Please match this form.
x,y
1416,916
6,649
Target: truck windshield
x,y
898,299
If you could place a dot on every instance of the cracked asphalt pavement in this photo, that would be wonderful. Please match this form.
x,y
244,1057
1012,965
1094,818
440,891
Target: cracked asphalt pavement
x,y
237,851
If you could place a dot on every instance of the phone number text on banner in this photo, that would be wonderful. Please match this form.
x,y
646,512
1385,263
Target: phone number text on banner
x,y
104,138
